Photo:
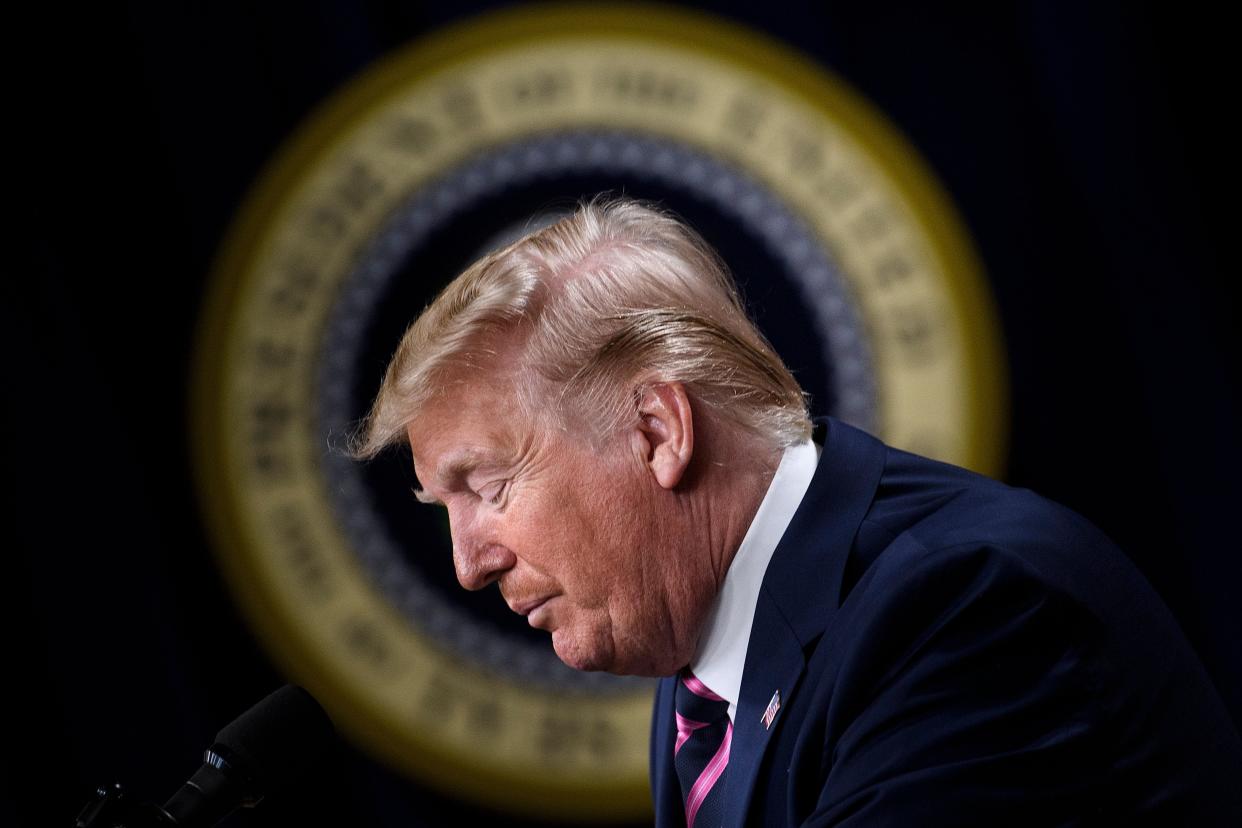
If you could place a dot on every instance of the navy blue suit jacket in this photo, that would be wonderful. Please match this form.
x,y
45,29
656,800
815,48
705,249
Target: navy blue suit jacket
x,y
952,651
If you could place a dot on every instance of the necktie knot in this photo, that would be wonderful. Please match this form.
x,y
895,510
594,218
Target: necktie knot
x,y
701,752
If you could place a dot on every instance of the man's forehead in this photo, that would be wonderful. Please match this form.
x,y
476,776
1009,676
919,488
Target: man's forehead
x,y
456,463
445,450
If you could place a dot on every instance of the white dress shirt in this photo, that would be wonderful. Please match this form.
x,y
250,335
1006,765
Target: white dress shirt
x,y
721,654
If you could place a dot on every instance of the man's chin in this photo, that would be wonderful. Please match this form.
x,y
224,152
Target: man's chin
x,y
605,658
579,655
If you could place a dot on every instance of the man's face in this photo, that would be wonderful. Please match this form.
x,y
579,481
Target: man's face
x,y
581,540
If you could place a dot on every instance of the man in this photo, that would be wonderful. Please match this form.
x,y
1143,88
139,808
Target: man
x,y
848,634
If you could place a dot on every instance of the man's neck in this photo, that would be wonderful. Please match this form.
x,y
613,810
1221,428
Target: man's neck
x,y
720,653
743,478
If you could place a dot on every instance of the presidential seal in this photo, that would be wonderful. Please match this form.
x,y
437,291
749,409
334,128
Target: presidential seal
x,y
847,251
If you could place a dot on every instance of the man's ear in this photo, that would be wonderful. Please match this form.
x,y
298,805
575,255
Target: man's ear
x,y
665,431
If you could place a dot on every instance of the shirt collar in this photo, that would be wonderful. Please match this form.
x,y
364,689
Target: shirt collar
x,y
721,654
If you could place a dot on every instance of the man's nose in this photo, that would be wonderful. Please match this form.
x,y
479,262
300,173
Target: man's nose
x,y
478,557
481,564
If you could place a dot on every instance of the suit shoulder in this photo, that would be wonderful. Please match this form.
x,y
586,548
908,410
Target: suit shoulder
x,y
937,506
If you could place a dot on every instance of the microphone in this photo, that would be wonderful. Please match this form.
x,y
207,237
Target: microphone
x,y
261,751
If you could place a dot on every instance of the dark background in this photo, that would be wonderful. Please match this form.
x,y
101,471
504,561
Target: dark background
x,y
1080,141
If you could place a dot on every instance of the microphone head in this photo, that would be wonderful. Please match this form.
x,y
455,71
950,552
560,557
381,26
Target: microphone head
x,y
278,739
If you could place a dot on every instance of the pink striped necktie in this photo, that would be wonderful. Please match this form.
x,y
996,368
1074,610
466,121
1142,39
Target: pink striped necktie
x,y
701,753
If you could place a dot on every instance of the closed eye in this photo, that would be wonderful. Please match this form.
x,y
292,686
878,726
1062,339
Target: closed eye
x,y
494,493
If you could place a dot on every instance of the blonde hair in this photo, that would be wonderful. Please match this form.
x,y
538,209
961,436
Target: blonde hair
x,y
594,308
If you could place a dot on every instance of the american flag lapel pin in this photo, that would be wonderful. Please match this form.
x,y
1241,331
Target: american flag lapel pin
x,y
770,714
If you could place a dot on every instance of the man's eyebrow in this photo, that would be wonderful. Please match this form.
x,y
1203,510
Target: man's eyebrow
x,y
452,471
423,497
459,465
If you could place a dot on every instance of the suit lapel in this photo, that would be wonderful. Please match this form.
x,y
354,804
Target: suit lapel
x,y
800,594
665,789
773,667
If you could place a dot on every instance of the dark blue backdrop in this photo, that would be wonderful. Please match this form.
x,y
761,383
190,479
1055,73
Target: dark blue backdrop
x,y
1079,141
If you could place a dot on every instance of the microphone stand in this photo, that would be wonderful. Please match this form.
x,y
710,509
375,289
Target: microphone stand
x,y
263,749
215,790
112,808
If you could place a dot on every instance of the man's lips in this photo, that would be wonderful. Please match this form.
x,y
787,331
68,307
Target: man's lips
x,y
528,606
536,610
